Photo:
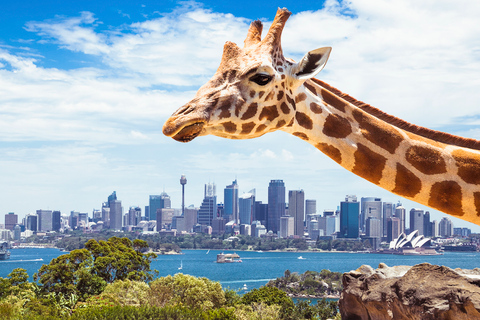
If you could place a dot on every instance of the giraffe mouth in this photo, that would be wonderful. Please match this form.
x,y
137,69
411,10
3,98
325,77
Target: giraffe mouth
x,y
190,132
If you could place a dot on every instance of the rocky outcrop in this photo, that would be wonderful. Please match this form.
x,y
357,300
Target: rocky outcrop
x,y
420,292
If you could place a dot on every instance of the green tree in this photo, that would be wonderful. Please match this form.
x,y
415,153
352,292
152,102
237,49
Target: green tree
x,y
85,272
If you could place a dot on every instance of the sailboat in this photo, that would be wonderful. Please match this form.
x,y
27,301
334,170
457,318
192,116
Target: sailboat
x,y
181,265
208,251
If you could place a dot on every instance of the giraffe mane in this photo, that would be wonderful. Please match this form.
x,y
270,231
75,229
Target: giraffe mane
x,y
402,124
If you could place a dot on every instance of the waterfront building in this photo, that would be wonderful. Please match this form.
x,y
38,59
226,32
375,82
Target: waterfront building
x,y
417,221
373,228
349,217
230,200
17,231
208,209
370,207
400,213
463,232
246,205
296,209
44,220
245,229
434,226
11,220
276,204
191,214
134,216
218,226
287,226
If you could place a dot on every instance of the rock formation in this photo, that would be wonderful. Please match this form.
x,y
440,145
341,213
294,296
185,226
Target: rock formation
x,y
420,292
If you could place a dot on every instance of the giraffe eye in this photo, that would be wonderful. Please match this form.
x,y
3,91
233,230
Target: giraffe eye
x,y
261,79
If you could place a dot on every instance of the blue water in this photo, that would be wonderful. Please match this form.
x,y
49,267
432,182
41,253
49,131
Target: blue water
x,y
257,267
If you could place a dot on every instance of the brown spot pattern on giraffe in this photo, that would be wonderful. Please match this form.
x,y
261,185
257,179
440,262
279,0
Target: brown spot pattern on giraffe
x,y
304,120
368,164
280,124
260,94
251,111
260,128
238,106
333,100
426,160
406,183
301,135
330,151
378,133
300,97
279,95
252,94
247,127
269,113
229,126
315,108
291,102
285,109
269,96
336,127
446,196
310,87
225,108
468,166
476,199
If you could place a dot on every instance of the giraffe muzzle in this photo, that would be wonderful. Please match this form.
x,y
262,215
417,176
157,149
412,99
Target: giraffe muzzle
x,y
189,132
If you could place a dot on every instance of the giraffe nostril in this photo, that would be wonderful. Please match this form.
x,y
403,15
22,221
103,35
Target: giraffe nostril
x,y
186,109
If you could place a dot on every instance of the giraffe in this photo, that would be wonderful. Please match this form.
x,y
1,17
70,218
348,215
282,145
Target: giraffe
x,y
257,90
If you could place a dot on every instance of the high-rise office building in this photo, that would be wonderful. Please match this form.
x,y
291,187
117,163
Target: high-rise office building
x,y
387,213
287,226
260,212
310,206
11,220
373,228
105,215
230,194
427,228
349,217
56,220
400,213
44,220
116,214
445,227
296,209
154,203
246,207
276,205
165,201
370,207
134,216
393,228
31,222
208,209
416,221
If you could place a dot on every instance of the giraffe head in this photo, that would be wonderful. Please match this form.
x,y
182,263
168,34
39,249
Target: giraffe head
x,y
252,92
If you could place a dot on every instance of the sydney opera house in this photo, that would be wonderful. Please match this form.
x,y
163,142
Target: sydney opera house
x,y
412,244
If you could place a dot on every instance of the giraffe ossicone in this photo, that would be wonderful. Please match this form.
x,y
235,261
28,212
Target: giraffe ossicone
x,y
257,90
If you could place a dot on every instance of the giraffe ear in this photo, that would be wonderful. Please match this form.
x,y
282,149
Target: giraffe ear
x,y
312,63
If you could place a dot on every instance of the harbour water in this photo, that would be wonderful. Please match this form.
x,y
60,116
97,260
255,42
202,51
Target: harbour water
x,y
257,268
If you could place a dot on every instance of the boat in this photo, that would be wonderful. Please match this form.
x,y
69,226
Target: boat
x,y
4,253
208,251
181,265
228,258
245,288
301,258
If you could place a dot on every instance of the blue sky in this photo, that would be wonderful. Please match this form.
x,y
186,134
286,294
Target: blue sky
x,y
85,87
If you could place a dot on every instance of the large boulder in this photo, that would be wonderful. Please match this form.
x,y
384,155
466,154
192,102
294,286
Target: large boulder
x,y
420,292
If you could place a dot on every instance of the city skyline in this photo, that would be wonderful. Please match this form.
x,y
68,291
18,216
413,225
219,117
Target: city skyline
x,y
87,86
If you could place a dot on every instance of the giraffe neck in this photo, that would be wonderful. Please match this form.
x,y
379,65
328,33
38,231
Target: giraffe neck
x,y
413,165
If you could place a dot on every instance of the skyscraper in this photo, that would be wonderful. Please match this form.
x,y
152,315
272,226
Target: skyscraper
x,y
370,207
296,209
387,213
393,228
155,202
11,220
56,220
246,206
310,207
287,226
230,194
208,209
349,217
44,220
416,221
32,222
260,212
400,213
427,228
115,206
445,227
276,204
